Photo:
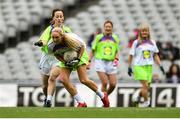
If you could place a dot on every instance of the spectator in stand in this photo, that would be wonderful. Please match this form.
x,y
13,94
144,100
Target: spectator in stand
x,y
92,36
170,52
156,78
160,47
173,75
133,37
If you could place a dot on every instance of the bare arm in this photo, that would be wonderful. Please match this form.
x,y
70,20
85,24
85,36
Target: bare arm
x,y
117,55
91,54
130,58
158,62
157,59
45,36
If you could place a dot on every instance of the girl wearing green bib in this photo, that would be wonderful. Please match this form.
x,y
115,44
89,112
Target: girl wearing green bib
x,y
48,62
143,53
105,52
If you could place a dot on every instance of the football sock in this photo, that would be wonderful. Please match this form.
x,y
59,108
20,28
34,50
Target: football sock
x,y
49,97
78,98
100,93
147,102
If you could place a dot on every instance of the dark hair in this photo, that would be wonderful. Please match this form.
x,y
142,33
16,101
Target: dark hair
x,y
108,21
170,72
53,13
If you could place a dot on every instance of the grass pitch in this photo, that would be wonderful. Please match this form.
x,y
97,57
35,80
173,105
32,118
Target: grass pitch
x,y
72,112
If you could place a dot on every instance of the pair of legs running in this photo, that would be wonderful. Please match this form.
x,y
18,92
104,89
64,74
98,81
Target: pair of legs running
x,y
144,93
107,79
49,84
64,77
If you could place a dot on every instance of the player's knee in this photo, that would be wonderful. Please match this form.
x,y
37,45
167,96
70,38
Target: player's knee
x,y
104,83
145,87
52,78
83,81
113,84
63,79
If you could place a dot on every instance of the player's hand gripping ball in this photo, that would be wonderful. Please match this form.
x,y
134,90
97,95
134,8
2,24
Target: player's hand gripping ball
x,y
70,55
71,58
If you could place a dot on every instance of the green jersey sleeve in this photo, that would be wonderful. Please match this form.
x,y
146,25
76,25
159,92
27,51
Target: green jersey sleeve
x,y
117,39
67,29
45,36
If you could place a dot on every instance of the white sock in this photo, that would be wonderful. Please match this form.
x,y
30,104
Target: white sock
x,y
147,102
49,97
78,98
100,93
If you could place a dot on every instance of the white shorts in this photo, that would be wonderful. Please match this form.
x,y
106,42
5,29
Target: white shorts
x,y
105,66
46,63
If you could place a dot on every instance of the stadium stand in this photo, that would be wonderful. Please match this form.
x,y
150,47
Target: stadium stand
x,y
21,22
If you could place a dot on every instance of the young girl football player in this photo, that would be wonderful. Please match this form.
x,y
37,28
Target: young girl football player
x,y
64,42
143,53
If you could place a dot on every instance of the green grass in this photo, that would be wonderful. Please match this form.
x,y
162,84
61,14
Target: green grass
x,y
71,112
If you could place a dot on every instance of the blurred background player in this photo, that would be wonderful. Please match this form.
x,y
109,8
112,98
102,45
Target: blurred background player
x,y
105,50
47,62
144,52
70,41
